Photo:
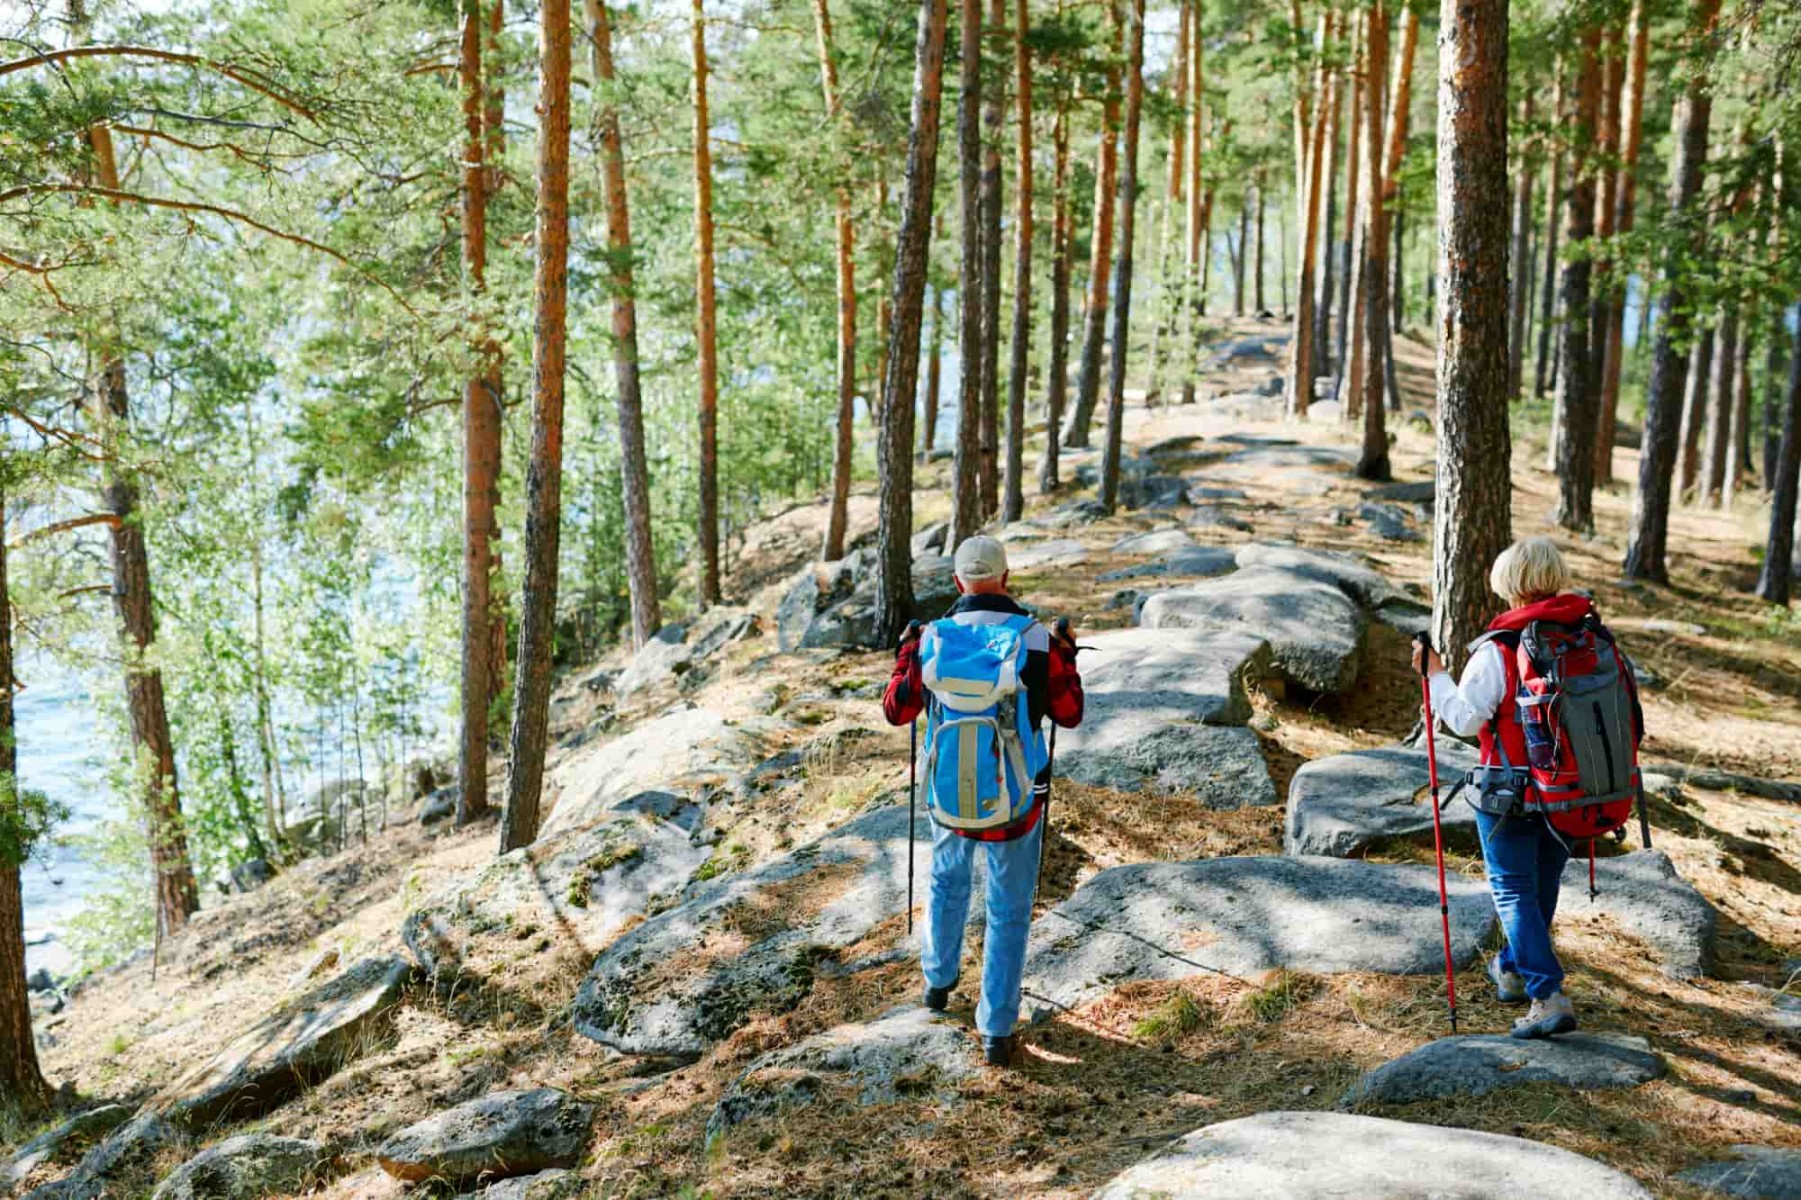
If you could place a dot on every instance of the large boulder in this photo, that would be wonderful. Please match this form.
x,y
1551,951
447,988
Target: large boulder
x,y
1154,541
555,1184
1316,633
1645,894
1037,555
1338,806
247,1167
301,1042
748,942
1347,572
1336,1156
126,1146
1201,561
909,1054
1171,921
1752,1173
502,1133
59,1142
852,621
686,751
681,647
1475,1065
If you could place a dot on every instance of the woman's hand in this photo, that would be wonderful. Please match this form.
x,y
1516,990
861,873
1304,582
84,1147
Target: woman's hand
x,y
1429,657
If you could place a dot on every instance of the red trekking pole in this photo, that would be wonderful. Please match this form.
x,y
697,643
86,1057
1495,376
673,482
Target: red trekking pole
x,y
1438,833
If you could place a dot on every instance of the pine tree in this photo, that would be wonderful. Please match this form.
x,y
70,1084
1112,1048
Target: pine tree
x,y
1122,267
1577,399
966,464
706,325
1014,502
842,444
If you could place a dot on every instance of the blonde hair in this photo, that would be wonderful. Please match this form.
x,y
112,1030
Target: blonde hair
x,y
1530,569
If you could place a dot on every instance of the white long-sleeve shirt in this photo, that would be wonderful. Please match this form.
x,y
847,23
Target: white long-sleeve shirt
x,y
1466,707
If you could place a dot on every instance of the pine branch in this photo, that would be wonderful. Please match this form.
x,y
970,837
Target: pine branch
x,y
251,80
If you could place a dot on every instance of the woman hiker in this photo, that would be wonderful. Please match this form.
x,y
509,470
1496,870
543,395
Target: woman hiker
x,y
1524,855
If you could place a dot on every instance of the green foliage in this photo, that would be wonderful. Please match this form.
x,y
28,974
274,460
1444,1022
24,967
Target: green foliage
x,y
26,818
118,919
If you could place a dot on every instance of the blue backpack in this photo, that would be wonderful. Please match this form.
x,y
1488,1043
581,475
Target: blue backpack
x,y
982,752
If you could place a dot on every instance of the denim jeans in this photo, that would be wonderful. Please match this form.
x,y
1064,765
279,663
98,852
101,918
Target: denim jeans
x,y
1525,871
1012,869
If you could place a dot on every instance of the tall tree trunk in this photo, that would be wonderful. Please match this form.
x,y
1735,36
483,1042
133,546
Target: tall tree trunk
x,y
842,445
1257,302
934,377
1372,303
1100,259
706,332
1400,105
1301,350
1694,412
1719,408
1544,375
1015,499
1738,411
993,114
1664,416
22,1086
1576,391
1519,283
1348,340
1326,289
1775,582
1122,267
1241,262
966,470
1169,315
1474,520
481,440
1631,139
894,447
1603,293
1062,248
177,898
1194,223
634,469
1775,370
544,476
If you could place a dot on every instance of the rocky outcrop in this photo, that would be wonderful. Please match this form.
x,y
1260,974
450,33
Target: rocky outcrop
x,y
545,1185
1347,572
832,605
1650,900
910,1053
1240,916
686,751
1475,1065
680,650
500,1134
247,1167
1752,1173
1032,554
125,1147
1200,561
59,1143
1339,806
1331,1156
1315,631
300,1043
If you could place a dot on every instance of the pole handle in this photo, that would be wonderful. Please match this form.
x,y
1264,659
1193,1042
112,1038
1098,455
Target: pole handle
x,y
1423,639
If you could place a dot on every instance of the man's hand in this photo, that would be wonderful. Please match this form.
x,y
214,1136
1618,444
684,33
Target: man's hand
x,y
909,636
1065,633
1424,654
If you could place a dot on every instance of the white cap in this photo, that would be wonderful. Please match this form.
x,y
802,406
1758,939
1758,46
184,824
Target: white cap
x,y
980,558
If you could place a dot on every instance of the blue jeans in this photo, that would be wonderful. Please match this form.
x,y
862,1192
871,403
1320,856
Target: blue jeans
x,y
1525,871
1012,879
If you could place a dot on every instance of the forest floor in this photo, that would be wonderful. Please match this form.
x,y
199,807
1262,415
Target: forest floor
x,y
1099,1088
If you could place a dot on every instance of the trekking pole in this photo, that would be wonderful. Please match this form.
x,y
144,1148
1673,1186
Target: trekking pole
x,y
1438,836
912,792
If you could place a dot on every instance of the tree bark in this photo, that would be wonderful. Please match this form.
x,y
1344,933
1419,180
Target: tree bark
x,y
1326,290
1062,248
1349,339
1775,583
1544,376
1712,476
1100,260
177,897
1257,302
705,321
934,378
966,500
1015,501
1694,412
1400,105
634,469
1576,391
544,476
1518,257
1301,351
1775,371
842,444
994,109
1372,302
1168,316
1664,414
894,447
481,440
22,1086
1473,522
1194,224
1602,289
1631,120
1738,414
1122,267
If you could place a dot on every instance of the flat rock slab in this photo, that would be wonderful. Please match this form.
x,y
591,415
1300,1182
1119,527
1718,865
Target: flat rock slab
x,y
1644,893
1480,1064
685,750
294,1047
130,1143
1340,1156
1200,561
1154,541
247,1167
1753,1173
502,1133
590,881
750,942
1171,921
682,646
58,1143
1264,457
1338,806
1347,572
1055,552
1316,632
1130,749
545,1185
910,1053
1199,674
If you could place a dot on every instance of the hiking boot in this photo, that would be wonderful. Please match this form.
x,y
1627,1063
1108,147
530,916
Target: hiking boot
x,y
1509,988
939,998
998,1051
1546,1018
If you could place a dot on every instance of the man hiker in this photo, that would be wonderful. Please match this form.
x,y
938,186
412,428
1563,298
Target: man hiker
x,y
985,676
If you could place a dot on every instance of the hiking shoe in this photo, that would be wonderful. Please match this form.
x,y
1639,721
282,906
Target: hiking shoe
x,y
1546,1018
998,1051
1509,988
939,998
